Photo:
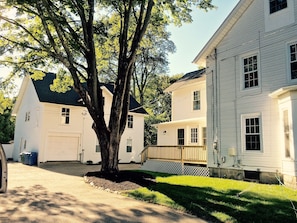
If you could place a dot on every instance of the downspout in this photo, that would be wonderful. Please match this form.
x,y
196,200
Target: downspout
x,y
215,140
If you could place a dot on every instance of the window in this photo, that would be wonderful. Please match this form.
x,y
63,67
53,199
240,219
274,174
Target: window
x,y
252,133
204,136
180,136
194,135
65,115
130,121
129,146
286,134
293,60
97,149
250,72
25,144
277,5
27,117
196,100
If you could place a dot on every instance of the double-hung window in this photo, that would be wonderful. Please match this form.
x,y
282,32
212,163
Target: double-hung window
x,y
252,133
130,121
204,136
194,135
65,116
27,117
250,71
180,136
129,146
293,61
196,100
277,5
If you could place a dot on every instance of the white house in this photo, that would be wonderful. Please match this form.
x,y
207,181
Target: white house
x,y
188,112
58,127
251,69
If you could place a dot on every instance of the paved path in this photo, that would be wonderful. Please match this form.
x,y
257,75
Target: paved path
x,y
54,193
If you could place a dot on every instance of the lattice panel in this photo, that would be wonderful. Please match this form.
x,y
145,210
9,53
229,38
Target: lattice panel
x,y
174,168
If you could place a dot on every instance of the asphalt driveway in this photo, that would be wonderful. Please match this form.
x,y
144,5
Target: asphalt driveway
x,y
56,192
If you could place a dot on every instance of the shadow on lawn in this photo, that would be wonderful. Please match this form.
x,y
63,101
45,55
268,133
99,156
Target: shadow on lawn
x,y
207,203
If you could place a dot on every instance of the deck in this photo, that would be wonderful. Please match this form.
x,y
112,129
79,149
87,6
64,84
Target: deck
x,y
183,154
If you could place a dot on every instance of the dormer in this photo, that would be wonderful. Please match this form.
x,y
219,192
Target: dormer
x,y
278,13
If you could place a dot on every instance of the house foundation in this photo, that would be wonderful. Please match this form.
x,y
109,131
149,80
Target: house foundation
x,y
254,176
290,181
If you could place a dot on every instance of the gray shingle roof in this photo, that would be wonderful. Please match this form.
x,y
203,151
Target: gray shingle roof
x,y
71,97
192,75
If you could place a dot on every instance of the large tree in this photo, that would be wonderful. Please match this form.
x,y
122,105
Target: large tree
x,y
70,32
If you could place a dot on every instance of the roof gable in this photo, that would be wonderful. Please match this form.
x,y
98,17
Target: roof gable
x,y
45,94
71,97
221,32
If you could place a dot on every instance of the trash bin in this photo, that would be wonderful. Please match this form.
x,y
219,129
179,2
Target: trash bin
x,y
22,155
32,159
27,155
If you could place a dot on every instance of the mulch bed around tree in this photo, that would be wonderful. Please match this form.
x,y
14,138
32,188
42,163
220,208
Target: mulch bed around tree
x,y
122,181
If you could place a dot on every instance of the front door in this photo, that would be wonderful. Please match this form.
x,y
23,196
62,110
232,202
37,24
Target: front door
x,y
180,137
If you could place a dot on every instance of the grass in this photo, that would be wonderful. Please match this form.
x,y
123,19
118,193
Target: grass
x,y
221,200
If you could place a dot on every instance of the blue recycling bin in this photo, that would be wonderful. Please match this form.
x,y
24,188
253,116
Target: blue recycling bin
x,y
32,159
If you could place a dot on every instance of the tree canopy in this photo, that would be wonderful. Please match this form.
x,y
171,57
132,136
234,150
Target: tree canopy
x,y
69,34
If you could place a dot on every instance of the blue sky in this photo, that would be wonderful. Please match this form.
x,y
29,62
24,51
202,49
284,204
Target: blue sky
x,y
191,38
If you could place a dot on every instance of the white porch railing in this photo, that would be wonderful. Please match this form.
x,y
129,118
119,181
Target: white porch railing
x,y
183,154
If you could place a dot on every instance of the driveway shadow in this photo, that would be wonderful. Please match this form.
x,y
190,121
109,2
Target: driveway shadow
x,y
37,204
80,169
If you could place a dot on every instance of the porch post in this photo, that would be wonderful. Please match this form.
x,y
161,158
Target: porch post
x,y
182,159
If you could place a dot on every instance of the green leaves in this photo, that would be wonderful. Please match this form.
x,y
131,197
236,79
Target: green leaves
x,y
62,83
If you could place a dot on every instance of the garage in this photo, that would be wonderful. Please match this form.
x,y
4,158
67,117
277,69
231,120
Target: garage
x,y
62,148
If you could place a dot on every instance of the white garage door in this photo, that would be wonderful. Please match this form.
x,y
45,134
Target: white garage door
x,y
62,148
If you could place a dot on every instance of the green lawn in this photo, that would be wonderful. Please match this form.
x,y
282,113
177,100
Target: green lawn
x,y
222,200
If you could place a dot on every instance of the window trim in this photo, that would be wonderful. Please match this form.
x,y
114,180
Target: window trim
x,y
277,9
130,121
243,131
129,145
180,138
198,100
242,73
27,116
204,136
65,116
194,135
289,44
286,133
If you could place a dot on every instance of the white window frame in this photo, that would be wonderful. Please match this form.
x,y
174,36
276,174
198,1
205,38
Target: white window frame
x,y
196,100
280,18
27,117
65,116
130,121
129,147
204,136
243,130
244,73
194,135
290,60
277,10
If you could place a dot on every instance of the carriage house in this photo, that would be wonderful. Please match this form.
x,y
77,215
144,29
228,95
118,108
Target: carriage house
x,y
58,127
